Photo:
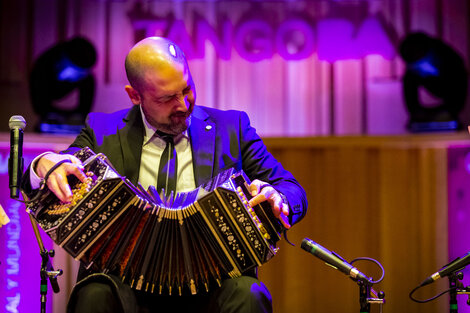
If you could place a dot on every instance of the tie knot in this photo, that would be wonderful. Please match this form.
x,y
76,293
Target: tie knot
x,y
167,137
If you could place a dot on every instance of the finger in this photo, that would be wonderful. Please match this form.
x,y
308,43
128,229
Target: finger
x,y
285,209
66,169
58,183
75,169
284,213
268,193
257,199
75,160
254,188
284,221
275,207
60,178
64,186
274,199
62,192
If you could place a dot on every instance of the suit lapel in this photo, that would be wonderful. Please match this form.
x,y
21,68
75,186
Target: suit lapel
x,y
132,137
202,134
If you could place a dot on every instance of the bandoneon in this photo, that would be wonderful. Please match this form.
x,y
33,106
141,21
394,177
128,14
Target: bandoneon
x,y
157,244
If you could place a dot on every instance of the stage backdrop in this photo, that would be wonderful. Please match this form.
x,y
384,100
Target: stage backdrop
x,y
298,67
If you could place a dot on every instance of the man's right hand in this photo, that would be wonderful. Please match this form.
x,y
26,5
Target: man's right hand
x,y
57,181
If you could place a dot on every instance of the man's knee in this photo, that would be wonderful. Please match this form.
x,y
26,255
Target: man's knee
x,y
95,297
95,291
246,292
247,285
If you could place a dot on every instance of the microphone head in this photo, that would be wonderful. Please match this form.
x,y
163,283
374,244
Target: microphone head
x,y
307,244
17,122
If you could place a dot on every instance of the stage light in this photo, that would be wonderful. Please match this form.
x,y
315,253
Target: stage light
x,y
435,71
62,86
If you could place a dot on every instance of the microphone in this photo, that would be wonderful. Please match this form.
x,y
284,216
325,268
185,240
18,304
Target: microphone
x,y
15,162
448,269
333,260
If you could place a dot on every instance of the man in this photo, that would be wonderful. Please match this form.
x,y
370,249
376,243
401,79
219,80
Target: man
x,y
207,141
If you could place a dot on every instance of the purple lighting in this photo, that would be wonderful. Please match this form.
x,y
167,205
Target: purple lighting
x,y
467,162
257,39
220,39
373,39
253,40
339,40
181,36
335,40
295,40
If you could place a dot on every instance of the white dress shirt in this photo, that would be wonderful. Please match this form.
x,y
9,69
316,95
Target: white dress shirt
x,y
152,150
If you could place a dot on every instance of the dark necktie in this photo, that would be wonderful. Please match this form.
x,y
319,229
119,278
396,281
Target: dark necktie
x,y
168,166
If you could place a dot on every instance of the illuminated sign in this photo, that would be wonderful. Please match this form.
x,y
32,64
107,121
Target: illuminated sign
x,y
12,266
20,261
256,39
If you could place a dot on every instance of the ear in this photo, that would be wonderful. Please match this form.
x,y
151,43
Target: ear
x,y
133,94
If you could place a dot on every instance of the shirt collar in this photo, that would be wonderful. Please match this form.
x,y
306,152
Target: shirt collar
x,y
150,130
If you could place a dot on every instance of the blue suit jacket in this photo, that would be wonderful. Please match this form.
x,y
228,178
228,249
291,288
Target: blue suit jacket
x,y
219,140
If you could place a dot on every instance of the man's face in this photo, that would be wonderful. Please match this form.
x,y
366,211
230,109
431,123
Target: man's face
x,y
168,99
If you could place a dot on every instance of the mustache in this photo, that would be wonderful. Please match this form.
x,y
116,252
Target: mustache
x,y
181,114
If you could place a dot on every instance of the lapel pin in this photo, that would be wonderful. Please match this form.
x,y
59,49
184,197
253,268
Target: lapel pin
x,y
208,127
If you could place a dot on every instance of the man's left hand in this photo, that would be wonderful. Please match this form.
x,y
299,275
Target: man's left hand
x,y
262,191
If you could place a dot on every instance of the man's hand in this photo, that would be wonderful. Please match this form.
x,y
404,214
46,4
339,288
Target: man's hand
x,y
57,181
261,192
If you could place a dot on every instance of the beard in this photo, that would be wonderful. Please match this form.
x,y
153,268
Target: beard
x,y
176,123
179,122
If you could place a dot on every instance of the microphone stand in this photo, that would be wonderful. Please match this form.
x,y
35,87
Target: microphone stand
x,y
365,290
47,271
454,282
457,288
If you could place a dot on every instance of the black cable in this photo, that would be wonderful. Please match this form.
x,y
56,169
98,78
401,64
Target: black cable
x,y
52,169
430,299
42,185
374,261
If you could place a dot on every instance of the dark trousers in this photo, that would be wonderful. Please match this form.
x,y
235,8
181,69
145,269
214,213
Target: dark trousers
x,y
244,294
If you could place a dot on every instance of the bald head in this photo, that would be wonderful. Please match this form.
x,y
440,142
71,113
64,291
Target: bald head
x,y
161,83
152,55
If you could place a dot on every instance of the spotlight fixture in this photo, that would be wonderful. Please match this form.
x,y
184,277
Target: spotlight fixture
x,y
62,86
434,84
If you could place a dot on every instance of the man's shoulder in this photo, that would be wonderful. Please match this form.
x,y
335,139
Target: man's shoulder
x,y
113,116
204,112
108,123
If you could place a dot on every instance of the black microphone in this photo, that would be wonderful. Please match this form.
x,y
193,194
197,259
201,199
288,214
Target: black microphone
x,y
15,162
333,260
450,268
